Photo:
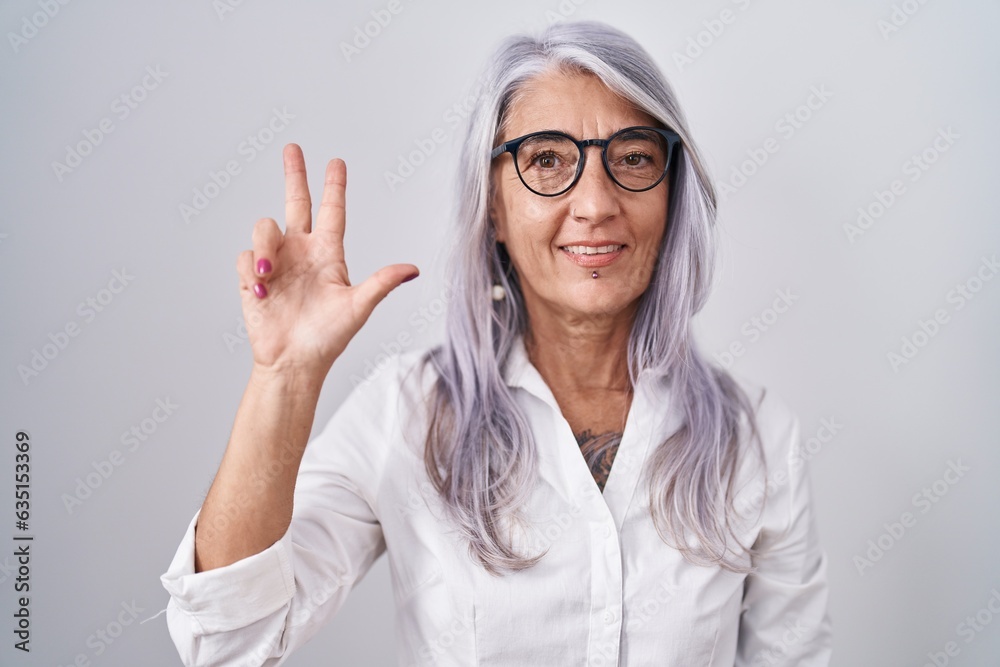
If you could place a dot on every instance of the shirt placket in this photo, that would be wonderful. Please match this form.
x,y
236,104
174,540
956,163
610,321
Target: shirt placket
x,y
607,576
605,594
606,512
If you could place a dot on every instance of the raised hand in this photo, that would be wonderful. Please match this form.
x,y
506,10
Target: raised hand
x,y
300,307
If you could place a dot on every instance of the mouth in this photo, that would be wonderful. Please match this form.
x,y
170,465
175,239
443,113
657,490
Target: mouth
x,y
593,255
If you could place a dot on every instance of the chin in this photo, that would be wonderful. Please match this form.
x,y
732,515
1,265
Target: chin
x,y
596,305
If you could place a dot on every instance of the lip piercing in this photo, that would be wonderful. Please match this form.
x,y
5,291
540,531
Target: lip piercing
x,y
594,274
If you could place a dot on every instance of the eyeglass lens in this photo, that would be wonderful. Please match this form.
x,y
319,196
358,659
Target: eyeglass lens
x,y
548,163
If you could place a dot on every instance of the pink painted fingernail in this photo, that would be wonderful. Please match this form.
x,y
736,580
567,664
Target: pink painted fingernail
x,y
263,266
260,290
410,277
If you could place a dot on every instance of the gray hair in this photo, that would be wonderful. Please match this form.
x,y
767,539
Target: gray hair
x,y
479,451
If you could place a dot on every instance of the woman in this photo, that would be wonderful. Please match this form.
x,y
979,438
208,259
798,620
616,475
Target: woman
x,y
565,481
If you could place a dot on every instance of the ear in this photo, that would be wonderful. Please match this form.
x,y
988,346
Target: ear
x,y
497,230
492,211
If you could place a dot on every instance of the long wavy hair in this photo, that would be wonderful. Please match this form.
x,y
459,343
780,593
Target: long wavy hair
x,y
479,450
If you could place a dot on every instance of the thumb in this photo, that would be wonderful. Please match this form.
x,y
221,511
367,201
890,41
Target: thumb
x,y
383,281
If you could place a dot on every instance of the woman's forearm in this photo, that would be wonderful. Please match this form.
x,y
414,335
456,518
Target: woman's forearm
x,y
249,505
302,311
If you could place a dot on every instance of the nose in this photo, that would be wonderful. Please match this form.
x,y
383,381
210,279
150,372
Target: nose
x,y
594,198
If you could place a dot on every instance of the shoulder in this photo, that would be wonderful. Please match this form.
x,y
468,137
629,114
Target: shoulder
x,y
388,402
776,484
373,419
401,376
778,430
776,420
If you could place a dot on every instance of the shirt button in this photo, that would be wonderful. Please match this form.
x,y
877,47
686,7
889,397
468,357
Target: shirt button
x,y
609,617
607,531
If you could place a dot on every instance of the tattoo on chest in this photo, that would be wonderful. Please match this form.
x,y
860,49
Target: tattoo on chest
x,y
599,453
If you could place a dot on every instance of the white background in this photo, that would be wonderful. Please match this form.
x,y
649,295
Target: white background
x,y
170,333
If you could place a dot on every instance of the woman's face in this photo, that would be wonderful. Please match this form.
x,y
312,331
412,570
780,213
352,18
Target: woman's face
x,y
537,231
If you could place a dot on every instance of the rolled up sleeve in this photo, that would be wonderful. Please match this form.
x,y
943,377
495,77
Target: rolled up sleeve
x,y
257,610
234,604
785,618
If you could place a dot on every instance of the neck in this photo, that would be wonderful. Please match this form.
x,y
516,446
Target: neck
x,y
581,354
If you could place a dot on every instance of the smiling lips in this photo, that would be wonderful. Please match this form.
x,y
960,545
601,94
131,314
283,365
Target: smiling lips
x,y
593,255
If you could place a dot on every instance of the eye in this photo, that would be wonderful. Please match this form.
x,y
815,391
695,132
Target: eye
x,y
635,159
545,159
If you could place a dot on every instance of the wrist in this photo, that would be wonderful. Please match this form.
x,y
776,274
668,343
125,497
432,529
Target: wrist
x,y
288,378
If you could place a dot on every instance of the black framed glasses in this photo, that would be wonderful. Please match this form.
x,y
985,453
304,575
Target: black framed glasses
x,y
549,162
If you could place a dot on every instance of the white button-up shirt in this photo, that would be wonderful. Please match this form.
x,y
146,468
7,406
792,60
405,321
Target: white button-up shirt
x,y
608,592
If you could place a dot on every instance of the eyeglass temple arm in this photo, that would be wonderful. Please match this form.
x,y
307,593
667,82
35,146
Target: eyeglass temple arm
x,y
501,149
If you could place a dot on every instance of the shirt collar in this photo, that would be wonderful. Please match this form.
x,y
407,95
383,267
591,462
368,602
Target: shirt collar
x,y
517,364
520,372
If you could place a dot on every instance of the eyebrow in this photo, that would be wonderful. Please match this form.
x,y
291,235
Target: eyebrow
x,y
557,131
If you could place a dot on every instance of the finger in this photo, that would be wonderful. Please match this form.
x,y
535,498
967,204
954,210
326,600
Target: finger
x,y
249,283
298,205
383,281
332,215
244,268
267,240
